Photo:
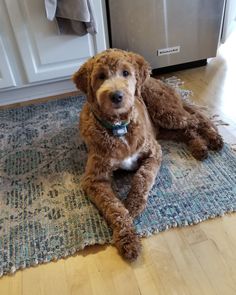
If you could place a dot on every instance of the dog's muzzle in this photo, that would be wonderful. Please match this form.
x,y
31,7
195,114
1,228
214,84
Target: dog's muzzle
x,y
117,96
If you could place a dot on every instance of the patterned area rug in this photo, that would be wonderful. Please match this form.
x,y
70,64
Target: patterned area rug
x,y
44,214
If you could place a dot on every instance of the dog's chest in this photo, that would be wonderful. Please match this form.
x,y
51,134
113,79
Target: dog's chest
x,y
130,163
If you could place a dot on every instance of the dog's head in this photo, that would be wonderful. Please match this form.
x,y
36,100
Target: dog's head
x,y
112,79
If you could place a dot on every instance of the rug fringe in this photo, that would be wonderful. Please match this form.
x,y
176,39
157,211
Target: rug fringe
x,y
186,223
233,146
11,271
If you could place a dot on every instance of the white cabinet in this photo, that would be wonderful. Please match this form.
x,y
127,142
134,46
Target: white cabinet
x,y
6,74
45,55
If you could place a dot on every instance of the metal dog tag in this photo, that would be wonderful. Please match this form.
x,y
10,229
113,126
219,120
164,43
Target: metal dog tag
x,y
120,131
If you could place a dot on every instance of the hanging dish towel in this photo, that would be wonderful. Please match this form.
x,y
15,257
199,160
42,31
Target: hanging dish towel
x,y
72,16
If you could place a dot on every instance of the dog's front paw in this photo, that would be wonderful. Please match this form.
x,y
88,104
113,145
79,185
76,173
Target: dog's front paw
x,y
135,204
127,243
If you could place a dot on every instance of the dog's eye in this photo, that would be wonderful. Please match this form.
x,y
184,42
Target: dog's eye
x,y
102,76
125,73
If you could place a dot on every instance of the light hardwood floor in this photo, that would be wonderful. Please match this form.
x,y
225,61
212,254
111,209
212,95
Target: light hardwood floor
x,y
194,260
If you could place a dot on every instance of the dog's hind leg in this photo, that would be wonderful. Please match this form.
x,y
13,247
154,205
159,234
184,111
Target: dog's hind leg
x,y
195,142
142,182
197,145
206,129
96,185
212,137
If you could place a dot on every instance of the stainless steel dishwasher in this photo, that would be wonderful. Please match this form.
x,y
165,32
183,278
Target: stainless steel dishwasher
x,y
167,32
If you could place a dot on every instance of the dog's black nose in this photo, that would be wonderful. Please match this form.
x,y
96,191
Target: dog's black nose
x,y
117,96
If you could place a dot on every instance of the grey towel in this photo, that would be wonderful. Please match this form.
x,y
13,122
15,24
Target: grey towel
x,y
72,16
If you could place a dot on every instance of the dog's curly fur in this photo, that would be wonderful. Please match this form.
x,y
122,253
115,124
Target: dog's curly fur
x,y
153,111
178,120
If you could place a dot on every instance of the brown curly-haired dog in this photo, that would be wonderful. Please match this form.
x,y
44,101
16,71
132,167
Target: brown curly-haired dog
x,y
116,127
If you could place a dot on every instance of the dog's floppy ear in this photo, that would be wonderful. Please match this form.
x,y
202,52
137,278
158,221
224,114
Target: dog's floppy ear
x,y
142,71
81,77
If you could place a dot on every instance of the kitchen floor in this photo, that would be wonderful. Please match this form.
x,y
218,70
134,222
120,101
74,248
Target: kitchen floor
x,y
194,260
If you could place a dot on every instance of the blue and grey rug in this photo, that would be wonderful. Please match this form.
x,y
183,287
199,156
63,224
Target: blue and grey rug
x,y
43,213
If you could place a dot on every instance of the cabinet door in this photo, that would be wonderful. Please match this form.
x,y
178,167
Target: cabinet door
x,y
6,75
46,54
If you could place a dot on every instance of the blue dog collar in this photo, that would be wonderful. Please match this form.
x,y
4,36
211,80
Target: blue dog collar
x,y
118,129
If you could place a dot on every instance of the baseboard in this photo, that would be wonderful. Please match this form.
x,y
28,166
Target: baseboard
x,y
180,67
29,93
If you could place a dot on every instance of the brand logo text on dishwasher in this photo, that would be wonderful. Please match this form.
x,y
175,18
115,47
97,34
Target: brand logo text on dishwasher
x,y
169,50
